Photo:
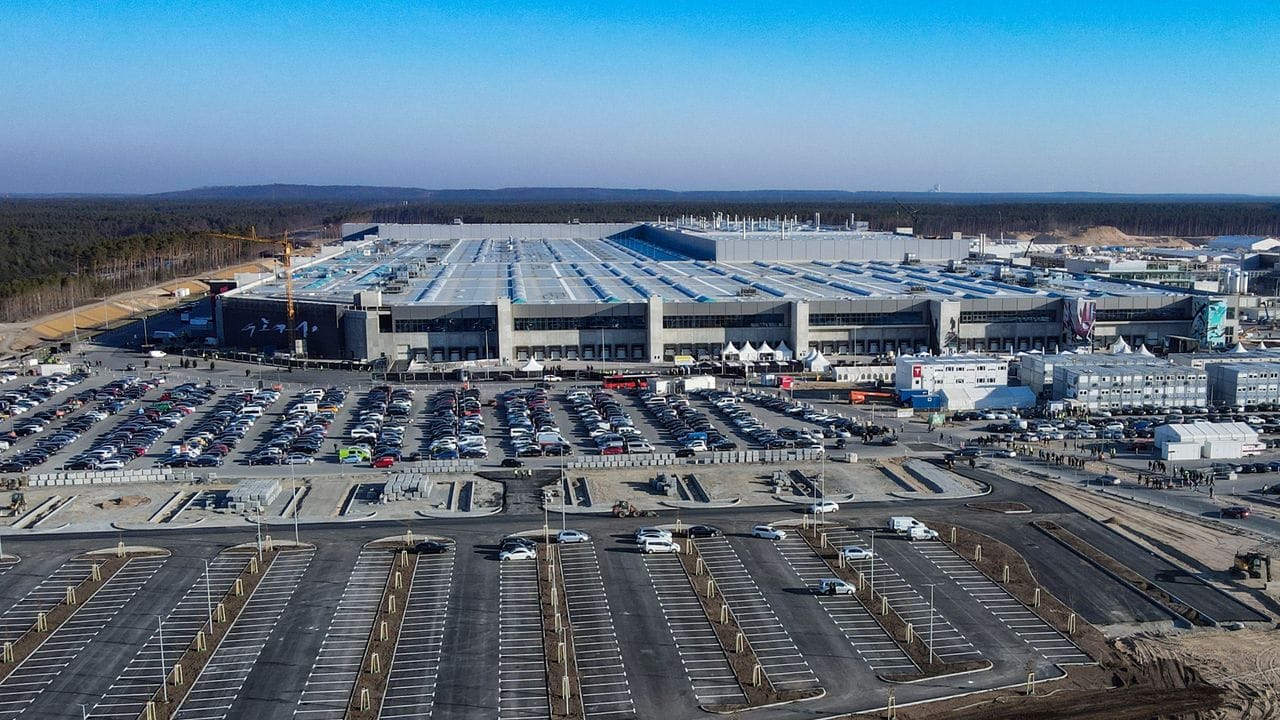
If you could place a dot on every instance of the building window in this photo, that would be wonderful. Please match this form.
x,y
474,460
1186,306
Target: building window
x,y
588,322
1041,315
758,320
906,317
445,324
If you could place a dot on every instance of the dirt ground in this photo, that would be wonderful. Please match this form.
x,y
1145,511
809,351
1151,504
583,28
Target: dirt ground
x,y
1201,547
1105,235
123,502
1245,664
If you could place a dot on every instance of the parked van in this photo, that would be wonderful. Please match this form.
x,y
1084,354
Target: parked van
x,y
650,544
920,532
903,523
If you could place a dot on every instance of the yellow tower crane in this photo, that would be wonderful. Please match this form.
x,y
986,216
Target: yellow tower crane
x,y
286,246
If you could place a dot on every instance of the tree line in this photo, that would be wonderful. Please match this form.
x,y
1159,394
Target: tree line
x,y
56,254
1182,219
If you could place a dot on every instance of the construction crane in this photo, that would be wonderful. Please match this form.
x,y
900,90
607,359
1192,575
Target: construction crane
x,y
286,246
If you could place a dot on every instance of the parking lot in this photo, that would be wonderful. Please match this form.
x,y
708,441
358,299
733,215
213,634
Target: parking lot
x,y
471,645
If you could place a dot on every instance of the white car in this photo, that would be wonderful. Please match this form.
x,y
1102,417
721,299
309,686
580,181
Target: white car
x,y
572,536
1108,480
852,553
835,586
656,533
116,464
551,378
824,506
518,553
654,545
768,532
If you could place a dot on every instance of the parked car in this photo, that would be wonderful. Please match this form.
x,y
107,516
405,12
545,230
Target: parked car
x,y
853,553
768,532
835,586
518,552
430,547
572,536
824,506
702,531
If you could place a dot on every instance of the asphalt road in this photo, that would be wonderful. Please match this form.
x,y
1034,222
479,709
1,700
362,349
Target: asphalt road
x,y
467,686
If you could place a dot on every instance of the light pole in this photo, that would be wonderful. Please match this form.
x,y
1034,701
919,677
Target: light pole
x,y
164,675
293,493
873,564
931,653
208,596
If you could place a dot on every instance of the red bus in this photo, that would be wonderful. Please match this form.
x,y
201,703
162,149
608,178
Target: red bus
x,y
627,381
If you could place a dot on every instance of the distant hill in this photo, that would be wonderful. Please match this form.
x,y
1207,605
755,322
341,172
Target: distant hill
x,y
368,193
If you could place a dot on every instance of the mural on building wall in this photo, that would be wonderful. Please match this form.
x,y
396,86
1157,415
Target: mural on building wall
x,y
1079,318
1209,322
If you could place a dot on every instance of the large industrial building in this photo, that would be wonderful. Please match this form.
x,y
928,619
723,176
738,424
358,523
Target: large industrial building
x,y
656,292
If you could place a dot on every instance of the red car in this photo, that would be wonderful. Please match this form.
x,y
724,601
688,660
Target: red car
x,y
385,461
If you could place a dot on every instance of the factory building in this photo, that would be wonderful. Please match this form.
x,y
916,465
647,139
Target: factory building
x,y
655,292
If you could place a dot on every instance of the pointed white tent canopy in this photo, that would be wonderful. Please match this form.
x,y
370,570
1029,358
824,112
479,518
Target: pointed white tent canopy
x,y
748,353
1142,350
1120,347
815,361
730,352
532,366
782,352
1239,348
765,352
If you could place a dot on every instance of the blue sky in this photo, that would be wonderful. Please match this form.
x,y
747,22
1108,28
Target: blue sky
x,y
1136,96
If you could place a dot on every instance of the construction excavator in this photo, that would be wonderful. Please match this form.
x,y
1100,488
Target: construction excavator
x,y
1253,565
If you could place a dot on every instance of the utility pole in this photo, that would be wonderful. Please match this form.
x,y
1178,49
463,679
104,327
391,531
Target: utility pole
x,y
164,666
208,596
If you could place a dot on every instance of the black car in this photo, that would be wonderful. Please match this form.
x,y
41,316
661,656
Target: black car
x,y
702,531
430,547
512,463
685,452
514,541
1238,512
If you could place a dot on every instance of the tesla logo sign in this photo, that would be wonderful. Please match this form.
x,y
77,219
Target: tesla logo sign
x,y
916,371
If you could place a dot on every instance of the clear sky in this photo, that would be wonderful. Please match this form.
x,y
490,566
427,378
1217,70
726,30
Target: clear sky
x,y
1029,95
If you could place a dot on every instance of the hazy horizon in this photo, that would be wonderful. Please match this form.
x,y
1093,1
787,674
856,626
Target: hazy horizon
x,y
147,97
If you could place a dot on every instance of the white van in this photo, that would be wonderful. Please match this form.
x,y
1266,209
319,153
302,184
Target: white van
x,y
650,544
920,532
903,523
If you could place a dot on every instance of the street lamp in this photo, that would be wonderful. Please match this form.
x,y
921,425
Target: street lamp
x,y
164,674
931,653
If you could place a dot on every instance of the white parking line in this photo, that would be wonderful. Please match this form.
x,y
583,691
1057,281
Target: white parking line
x,y
337,665
1038,634
26,682
699,648
411,687
603,679
127,697
949,643
522,667
866,635
216,689
22,615
779,657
